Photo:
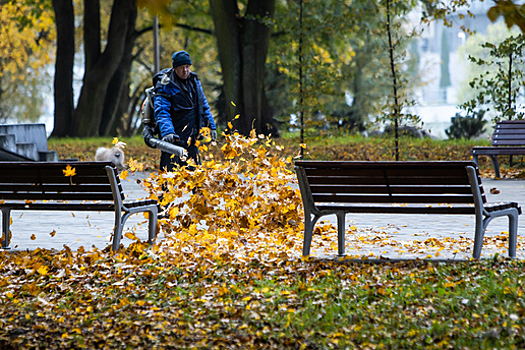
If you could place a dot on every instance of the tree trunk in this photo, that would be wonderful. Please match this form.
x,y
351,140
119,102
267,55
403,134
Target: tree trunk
x,y
114,94
243,42
92,45
100,70
119,84
63,84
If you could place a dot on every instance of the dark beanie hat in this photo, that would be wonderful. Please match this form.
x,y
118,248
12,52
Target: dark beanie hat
x,y
180,58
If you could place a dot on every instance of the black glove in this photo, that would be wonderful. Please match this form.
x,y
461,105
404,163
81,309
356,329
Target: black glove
x,y
213,135
171,138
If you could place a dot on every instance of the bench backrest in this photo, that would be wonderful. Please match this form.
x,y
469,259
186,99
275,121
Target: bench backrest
x,y
46,181
509,133
424,183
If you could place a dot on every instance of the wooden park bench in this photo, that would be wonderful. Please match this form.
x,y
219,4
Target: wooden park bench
x,y
95,186
435,187
508,139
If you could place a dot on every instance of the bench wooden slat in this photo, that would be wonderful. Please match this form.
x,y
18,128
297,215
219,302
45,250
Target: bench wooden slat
x,y
50,188
319,180
31,179
510,142
323,188
501,131
390,172
87,167
77,196
55,206
379,164
498,150
509,135
444,210
386,198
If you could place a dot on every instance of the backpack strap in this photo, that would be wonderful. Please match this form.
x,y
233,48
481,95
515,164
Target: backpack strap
x,y
161,76
166,77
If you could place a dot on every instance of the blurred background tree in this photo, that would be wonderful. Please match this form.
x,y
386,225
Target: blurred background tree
x,y
502,87
26,40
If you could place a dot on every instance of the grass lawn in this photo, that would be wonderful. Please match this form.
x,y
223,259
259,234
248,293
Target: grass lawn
x,y
320,147
139,301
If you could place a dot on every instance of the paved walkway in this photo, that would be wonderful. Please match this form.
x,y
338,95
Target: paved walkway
x,y
376,236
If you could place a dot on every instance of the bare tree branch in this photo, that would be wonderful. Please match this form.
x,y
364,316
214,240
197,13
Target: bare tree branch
x,y
196,29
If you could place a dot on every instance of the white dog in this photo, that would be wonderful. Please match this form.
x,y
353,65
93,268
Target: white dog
x,y
114,155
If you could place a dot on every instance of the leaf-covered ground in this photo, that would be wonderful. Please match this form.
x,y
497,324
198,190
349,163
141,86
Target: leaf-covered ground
x,y
226,273
142,299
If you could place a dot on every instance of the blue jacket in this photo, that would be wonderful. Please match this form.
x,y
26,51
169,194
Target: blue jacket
x,y
181,106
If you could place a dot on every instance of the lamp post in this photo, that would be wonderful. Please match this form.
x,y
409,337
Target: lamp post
x,y
156,49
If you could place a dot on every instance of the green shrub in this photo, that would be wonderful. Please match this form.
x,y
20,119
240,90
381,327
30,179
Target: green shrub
x,y
466,127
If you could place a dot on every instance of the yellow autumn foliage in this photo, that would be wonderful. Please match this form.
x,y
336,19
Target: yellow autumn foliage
x,y
24,47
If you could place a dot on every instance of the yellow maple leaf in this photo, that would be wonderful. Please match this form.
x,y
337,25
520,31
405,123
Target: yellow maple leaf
x,y
43,270
69,171
123,175
115,140
53,233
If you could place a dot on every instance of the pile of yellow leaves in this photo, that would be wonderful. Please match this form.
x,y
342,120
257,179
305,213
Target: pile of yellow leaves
x,y
242,208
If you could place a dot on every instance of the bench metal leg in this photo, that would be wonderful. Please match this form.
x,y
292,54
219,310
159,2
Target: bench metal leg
x,y
153,217
513,235
513,228
120,220
5,227
478,236
341,234
117,233
495,164
309,224
481,226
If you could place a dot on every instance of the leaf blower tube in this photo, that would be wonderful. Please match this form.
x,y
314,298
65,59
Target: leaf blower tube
x,y
153,142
